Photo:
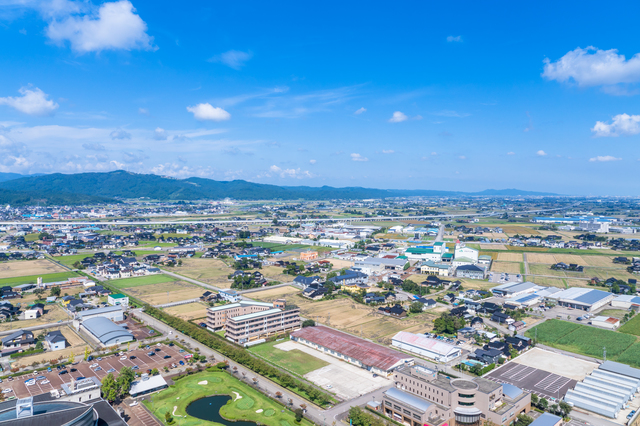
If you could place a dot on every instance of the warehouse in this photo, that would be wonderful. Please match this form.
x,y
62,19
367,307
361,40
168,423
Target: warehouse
x,y
114,313
106,332
582,298
626,301
360,352
606,392
147,385
424,346
606,322
516,289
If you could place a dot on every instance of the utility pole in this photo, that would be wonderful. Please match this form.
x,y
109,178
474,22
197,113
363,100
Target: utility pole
x,y
604,353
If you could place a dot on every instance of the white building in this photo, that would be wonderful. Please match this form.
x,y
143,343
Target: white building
x,y
230,295
426,347
599,227
626,301
31,314
463,251
606,322
118,299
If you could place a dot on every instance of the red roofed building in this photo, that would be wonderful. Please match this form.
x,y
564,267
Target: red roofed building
x,y
363,353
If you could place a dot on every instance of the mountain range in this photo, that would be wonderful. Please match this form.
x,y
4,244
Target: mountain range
x,y
88,188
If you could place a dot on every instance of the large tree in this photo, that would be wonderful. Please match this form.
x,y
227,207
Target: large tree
x,y
109,388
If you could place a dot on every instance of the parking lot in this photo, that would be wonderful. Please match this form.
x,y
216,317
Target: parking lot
x,y
84,369
542,383
139,331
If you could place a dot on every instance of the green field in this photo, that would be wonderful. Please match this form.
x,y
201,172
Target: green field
x,y
32,279
585,340
632,326
295,361
140,281
187,390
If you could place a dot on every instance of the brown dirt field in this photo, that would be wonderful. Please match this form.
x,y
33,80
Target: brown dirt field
x,y
159,294
522,230
602,261
210,271
53,313
510,257
23,268
339,263
274,293
573,282
275,273
188,311
541,258
477,284
493,247
510,267
570,258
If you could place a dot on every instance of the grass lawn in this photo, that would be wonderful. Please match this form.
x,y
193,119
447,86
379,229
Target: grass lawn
x,y
187,390
32,279
615,313
70,260
295,361
140,281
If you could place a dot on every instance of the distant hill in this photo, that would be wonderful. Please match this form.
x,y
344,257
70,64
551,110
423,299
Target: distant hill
x,y
46,198
122,184
11,176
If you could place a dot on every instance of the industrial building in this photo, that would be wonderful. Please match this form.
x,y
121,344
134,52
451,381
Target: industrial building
x,y
606,390
422,396
420,345
626,301
114,313
582,298
118,299
105,332
516,289
360,352
147,385
547,419
606,322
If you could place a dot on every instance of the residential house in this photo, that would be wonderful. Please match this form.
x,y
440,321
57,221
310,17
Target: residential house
x,y
55,340
18,339
395,311
474,272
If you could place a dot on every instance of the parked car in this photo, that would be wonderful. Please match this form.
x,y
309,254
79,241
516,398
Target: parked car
x,y
171,344
133,404
135,367
111,370
132,357
203,325
167,356
62,372
157,349
73,370
80,378
181,362
94,365
44,382
7,391
49,369
90,358
122,358
151,353
98,368
40,378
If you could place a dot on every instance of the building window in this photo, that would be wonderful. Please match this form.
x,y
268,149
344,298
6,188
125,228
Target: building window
x,y
387,403
406,411
466,404
465,395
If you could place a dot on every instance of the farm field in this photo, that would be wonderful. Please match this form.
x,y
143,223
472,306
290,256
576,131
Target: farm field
x,y
32,279
539,269
339,263
630,327
509,267
167,292
493,247
511,230
295,360
53,313
541,258
547,281
603,261
585,340
570,258
188,311
477,284
510,257
274,293
141,281
242,406
23,268
210,271
615,313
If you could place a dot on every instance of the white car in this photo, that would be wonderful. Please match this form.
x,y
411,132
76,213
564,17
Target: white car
x,y
94,365
133,404
30,382
122,358
44,382
7,391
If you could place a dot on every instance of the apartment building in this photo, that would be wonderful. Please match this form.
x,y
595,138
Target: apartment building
x,y
246,321
421,396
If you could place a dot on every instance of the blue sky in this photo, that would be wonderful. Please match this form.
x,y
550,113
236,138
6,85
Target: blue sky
x,y
458,96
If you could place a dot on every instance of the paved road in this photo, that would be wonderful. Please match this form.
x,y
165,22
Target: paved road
x,y
265,385
440,234
526,263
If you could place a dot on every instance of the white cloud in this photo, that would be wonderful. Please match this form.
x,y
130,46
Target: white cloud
x,y
604,158
456,39
622,125
134,157
208,112
143,111
541,153
32,102
511,153
397,117
312,161
233,58
120,134
434,153
593,67
94,146
449,113
388,151
462,157
358,157
290,173
115,26
360,111
417,117
160,134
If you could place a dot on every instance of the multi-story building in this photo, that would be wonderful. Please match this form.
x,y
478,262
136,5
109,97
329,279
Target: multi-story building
x,y
247,321
421,396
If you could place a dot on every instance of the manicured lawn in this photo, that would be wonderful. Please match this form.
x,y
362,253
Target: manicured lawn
x,y
295,361
140,281
70,260
32,279
187,390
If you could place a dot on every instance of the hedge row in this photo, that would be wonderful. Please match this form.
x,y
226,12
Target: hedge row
x,y
240,355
